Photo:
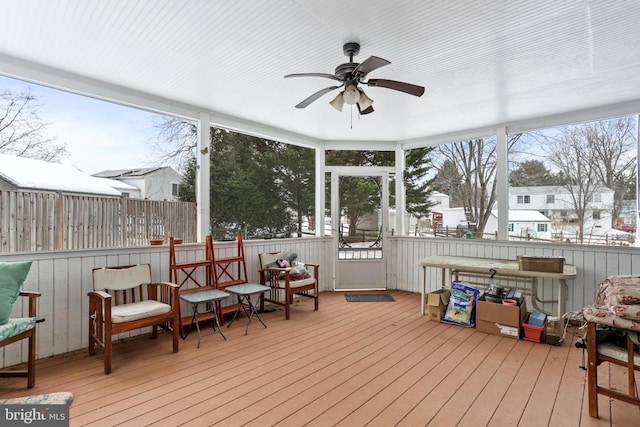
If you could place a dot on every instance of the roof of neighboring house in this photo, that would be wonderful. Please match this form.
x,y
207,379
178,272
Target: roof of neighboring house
x,y
517,215
33,174
123,173
120,185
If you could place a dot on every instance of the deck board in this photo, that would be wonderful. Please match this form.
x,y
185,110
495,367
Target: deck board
x,y
348,364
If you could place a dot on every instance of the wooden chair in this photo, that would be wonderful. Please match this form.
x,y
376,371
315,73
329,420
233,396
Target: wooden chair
x,y
18,329
282,283
124,299
599,353
230,270
185,275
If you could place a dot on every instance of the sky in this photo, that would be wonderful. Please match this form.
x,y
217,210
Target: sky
x,y
99,135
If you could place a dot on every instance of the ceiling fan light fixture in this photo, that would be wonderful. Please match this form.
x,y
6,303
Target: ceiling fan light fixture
x,y
364,102
337,102
351,95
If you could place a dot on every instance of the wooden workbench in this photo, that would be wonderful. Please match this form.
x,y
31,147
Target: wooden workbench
x,y
504,268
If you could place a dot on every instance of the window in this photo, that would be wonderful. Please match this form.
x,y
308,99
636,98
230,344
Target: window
x,y
542,227
563,169
174,190
524,199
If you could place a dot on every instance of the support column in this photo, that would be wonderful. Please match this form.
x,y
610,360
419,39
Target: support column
x,y
320,193
401,195
203,182
502,183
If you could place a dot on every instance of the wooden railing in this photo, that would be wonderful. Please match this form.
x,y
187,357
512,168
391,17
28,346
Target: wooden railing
x,y
42,221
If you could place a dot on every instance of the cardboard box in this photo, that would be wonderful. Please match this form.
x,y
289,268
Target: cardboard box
x,y
437,303
498,319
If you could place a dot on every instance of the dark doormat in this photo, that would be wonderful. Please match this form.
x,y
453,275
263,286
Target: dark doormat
x,y
369,298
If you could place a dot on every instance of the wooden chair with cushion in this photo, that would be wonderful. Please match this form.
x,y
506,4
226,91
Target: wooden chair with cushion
x,y
125,299
287,282
624,356
613,325
16,329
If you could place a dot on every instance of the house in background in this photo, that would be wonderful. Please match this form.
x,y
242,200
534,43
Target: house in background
x,y
555,203
154,183
19,173
522,223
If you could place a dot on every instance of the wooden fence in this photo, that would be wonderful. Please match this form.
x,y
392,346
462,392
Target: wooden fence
x,y
44,221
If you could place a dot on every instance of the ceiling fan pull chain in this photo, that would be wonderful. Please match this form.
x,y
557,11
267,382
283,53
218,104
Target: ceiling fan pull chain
x,y
352,116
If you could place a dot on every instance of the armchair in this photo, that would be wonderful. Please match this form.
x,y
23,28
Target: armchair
x,y
283,283
124,299
617,312
18,329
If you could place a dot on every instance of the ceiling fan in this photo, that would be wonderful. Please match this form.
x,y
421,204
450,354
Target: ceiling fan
x,y
352,74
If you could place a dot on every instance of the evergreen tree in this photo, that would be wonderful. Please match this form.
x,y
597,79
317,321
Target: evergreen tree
x,y
187,186
531,173
417,187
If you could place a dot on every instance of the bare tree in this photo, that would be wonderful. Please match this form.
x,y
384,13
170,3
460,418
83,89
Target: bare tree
x,y
592,155
176,141
614,146
475,162
574,156
22,131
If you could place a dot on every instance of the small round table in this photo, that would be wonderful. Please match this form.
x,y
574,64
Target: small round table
x,y
196,298
244,293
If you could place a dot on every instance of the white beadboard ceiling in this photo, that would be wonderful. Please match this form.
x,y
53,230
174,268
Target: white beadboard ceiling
x,y
485,64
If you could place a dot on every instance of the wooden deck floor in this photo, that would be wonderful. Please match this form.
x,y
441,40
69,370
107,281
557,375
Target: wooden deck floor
x,y
349,364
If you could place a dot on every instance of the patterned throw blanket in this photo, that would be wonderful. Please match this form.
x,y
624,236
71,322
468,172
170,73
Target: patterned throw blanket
x,y
617,303
58,398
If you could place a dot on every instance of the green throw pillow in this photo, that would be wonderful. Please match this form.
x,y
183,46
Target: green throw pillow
x,y
12,275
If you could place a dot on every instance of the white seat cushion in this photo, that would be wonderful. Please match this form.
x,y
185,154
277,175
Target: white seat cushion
x,y
138,310
298,283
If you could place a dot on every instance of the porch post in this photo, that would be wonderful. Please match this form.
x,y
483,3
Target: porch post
x,y
202,178
401,200
502,183
320,193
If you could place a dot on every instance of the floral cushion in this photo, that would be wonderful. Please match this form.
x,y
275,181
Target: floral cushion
x,y
16,326
59,398
617,303
297,270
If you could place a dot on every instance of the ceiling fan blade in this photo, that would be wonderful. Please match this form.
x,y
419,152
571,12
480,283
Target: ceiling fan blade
x,y
367,110
315,96
370,64
329,76
399,86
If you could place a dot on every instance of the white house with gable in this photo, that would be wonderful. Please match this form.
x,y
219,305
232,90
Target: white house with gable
x,y
154,183
524,224
555,202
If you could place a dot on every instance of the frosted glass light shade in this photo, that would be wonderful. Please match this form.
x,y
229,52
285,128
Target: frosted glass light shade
x,y
337,102
351,95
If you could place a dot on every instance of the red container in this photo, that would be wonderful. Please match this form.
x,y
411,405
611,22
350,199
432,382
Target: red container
x,y
532,333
